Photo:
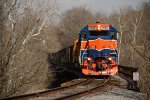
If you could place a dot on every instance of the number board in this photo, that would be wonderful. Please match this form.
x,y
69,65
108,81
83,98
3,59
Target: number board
x,y
92,28
104,28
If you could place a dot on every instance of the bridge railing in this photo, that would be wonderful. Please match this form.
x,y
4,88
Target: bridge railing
x,y
131,75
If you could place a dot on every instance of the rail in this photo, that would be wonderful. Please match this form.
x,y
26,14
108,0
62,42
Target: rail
x,y
84,91
83,54
37,94
59,90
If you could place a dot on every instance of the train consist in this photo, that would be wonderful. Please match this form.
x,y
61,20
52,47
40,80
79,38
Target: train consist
x,y
96,49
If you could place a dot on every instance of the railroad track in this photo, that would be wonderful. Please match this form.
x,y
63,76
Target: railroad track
x,y
75,92
82,92
46,92
66,92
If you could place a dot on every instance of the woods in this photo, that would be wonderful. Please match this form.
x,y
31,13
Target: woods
x,y
32,29
24,42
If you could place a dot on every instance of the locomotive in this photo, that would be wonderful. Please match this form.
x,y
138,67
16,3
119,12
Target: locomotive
x,y
96,49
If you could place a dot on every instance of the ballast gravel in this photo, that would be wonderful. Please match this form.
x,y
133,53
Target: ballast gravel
x,y
116,94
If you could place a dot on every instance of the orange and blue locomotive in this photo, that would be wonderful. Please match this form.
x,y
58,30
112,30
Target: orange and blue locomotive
x,y
98,49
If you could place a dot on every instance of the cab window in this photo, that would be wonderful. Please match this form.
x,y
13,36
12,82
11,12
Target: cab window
x,y
98,33
84,35
112,35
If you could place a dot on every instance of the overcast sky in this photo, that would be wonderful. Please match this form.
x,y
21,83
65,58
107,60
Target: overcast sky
x,y
106,6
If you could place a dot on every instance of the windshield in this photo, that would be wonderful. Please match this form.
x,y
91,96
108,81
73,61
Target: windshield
x,y
98,33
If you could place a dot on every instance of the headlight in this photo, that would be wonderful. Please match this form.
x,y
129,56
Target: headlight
x,y
109,58
88,58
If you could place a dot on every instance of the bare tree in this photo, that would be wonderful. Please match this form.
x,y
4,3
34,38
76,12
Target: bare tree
x,y
134,43
119,21
73,20
24,45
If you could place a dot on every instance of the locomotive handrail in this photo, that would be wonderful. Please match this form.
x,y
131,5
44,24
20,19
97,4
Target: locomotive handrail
x,y
84,53
112,49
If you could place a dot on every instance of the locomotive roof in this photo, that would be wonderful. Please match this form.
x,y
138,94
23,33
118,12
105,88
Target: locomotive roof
x,y
98,27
